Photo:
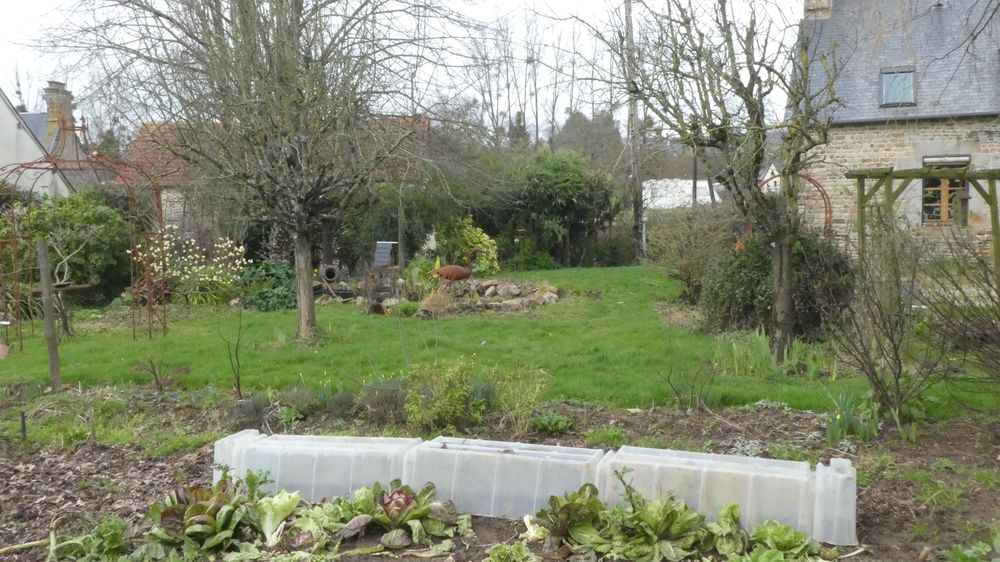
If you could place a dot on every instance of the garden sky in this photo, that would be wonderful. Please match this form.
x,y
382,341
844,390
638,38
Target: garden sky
x,y
25,21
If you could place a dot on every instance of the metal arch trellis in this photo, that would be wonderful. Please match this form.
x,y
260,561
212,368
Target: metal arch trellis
x,y
884,180
827,205
145,227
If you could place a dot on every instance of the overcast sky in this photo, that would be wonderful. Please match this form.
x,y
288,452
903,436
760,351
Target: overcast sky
x,y
23,22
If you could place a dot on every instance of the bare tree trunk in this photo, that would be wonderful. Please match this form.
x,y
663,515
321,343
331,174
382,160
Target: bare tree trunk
x,y
327,256
277,244
303,285
784,305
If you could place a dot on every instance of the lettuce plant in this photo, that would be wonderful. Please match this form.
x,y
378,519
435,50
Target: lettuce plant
x,y
204,517
271,512
570,510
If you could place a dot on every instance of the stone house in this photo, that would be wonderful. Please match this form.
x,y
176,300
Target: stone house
x,y
920,90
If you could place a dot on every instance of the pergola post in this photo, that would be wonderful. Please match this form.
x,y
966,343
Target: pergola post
x,y
994,224
861,215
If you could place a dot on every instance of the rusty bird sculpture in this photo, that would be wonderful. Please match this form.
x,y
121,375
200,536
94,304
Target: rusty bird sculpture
x,y
457,272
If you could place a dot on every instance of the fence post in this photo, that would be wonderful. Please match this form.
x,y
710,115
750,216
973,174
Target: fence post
x,y
51,338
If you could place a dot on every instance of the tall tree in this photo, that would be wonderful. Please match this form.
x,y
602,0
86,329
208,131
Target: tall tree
x,y
288,97
707,72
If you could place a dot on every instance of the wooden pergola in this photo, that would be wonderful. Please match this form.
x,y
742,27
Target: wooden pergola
x,y
894,182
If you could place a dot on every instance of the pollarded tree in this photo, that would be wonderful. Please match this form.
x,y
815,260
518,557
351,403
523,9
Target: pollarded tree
x,y
708,72
290,98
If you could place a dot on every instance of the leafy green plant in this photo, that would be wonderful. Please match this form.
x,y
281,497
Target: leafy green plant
x,y
664,529
571,510
516,552
267,286
106,541
406,309
745,354
524,256
774,541
855,417
455,238
661,529
439,396
93,237
552,423
518,394
609,435
407,517
730,536
738,291
205,518
270,513
976,552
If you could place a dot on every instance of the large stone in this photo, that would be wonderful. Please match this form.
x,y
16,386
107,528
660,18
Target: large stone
x,y
548,298
490,291
512,305
489,283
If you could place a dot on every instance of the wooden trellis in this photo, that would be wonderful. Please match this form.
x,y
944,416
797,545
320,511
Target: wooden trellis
x,y
886,181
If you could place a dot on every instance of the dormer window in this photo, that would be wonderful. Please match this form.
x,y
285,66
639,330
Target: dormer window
x,y
897,87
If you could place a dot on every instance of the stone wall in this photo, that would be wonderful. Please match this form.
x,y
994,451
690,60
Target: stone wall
x,y
901,145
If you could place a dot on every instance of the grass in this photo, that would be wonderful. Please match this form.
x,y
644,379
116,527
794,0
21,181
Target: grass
x,y
117,416
609,436
613,350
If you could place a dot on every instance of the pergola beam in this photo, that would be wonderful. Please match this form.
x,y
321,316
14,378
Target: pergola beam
x,y
884,178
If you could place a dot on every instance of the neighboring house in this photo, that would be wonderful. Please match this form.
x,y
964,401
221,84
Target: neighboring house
x,y
920,91
23,154
42,152
155,171
769,179
658,195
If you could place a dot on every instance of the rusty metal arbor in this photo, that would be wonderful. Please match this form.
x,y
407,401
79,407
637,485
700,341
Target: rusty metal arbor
x,y
885,182
145,218
824,196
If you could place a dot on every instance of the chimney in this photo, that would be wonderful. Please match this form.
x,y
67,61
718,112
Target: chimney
x,y
59,103
817,9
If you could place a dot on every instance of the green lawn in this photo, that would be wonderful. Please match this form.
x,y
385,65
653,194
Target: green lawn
x,y
613,350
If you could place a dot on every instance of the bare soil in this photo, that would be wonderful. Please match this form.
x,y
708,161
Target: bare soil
x,y
913,497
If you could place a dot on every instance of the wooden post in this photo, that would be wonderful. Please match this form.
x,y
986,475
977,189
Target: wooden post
x,y
861,216
887,201
51,339
995,225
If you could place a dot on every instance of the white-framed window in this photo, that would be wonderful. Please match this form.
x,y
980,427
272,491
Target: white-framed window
x,y
897,87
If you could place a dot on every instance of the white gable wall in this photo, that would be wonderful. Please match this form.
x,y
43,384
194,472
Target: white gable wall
x,y
18,146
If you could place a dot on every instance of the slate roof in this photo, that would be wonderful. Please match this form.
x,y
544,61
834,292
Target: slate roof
x,y
38,124
869,36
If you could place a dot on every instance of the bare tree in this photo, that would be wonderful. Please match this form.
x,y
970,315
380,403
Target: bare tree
x,y
706,71
290,98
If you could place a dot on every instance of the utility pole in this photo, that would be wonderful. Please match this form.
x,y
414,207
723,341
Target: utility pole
x,y
694,180
633,133
48,311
